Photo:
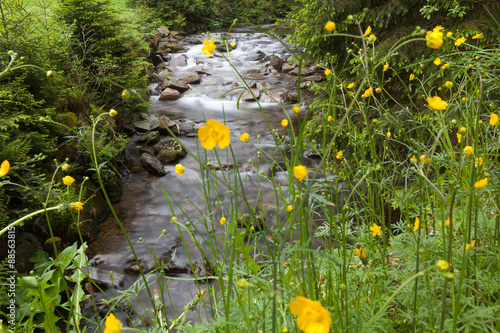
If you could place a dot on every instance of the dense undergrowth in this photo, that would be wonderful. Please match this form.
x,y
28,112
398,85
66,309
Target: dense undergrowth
x,y
402,211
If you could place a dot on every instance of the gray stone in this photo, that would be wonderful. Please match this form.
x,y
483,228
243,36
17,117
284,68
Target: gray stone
x,y
179,60
276,63
169,261
165,74
192,78
162,32
147,150
185,126
247,96
312,78
286,68
102,277
152,165
304,72
169,95
173,83
198,126
256,57
150,138
147,124
169,150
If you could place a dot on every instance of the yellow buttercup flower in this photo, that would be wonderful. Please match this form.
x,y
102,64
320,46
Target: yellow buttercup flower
x,y
76,206
233,45
329,118
362,255
437,62
481,183
214,133
378,90
371,39
113,113
300,172
478,36
460,41
284,123
368,92
113,325
350,85
465,99
328,72
470,246
445,66
448,84
368,31
442,265
462,130
386,67
289,209
311,316
388,134
68,180
493,119
222,220
417,224
296,109
412,77
329,26
413,160
339,155
436,103
479,161
434,38
245,137
209,47
447,223
468,150
449,34
376,230
459,137
65,167
424,159
4,168
179,169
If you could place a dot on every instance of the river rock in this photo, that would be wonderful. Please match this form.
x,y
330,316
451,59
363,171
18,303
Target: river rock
x,y
203,269
161,66
147,149
189,79
287,68
150,138
169,262
154,77
276,63
304,72
165,74
313,78
256,57
148,124
179,60
169,150
173,83
247,96
133,269
169,95
157,59
162,32
289,97
102,277
185,126
254,77
152,165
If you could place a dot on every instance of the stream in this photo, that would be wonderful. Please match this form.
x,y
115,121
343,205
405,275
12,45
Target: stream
x,y
143,209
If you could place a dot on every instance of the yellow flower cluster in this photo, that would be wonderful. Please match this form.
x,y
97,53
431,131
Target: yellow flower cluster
x,y
434,38
311,316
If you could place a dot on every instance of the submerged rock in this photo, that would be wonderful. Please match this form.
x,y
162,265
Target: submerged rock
x,y
152,165
169,150
150,138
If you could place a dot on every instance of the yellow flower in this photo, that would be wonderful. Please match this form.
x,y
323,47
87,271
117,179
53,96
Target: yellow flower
x,y
214,133
447,223
376,229
437,62
368,92
412,77
68,180
329,118
368,31
462,130
4,168
113,325
478,36
362,255
209,47
386,67
300,172
371,39
76,206
417,224
424,159
233,45
459,137
113,113
436,103
65,167
339,155
245,137
493,119
413,160
378,90
470,246
465,99
289,209
442,265
448,84
449,34
434,38
222,220
329,26
179,169
126,94
51,74
481,183
468,150
284,123
350,85
328,72
311,316
296,109
389,134
445,66
460,41
479,162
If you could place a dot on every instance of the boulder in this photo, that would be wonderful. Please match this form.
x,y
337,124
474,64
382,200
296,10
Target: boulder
x,y
169,150
150,138
312,78
103,278
247,96
169,95
169,261
185,126
173,83
189,79
157,59
286,68
276,63
304,72
163,32
178,60
152,165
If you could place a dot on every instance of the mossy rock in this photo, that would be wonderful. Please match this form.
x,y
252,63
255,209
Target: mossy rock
x,y
69,119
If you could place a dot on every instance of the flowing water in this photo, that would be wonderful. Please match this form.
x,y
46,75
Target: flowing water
x,y
143,209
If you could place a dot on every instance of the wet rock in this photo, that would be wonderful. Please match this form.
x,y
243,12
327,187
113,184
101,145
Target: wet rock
x,y
27,244
154,89
223,166
133,269
169,262
157,59
161,66
164,124
276,63
289,97
103,278
173,83
313,78
247,96
169,150
287,68
254,77
185,127
148,124
203,269
189,79
256,57
144,321
165,74
162,32
179,60
155,78
150,138
97,261
247,221
304,72
147,150
169,95
198,126
201,72
152,165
